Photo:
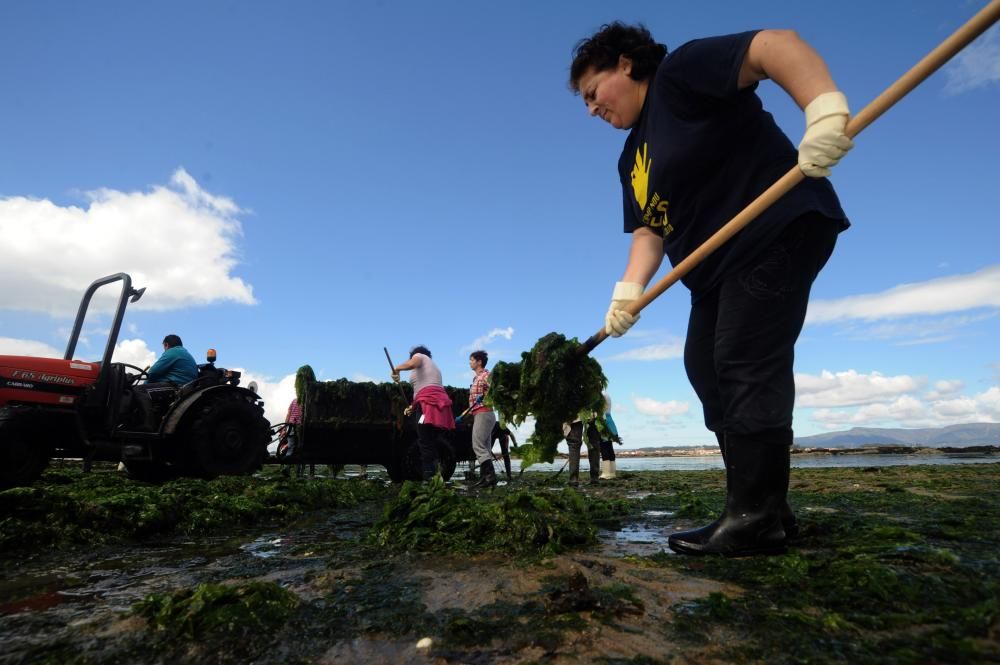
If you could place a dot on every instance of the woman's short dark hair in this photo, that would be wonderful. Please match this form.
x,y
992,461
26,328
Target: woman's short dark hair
x,y
420,349
481,356
172,340
603,49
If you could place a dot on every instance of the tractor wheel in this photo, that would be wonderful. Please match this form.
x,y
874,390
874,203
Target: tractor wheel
x,y
412,466
23,456
229,437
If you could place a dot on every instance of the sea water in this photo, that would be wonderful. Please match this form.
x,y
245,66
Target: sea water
x,y
697,463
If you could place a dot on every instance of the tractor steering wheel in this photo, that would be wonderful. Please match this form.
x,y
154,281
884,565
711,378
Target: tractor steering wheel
x,y
134,378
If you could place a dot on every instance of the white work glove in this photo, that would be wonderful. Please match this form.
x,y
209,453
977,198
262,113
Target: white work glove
x,y
617,321
824,142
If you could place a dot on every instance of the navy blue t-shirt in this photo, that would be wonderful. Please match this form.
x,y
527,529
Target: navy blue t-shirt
x,y
701,151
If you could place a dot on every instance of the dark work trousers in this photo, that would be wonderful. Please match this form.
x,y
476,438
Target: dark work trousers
x,y
574,441
740,346
429,438
503,435
607,451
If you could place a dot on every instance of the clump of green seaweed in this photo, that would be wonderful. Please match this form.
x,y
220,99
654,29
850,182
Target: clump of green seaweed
x,y
209,609
344,403
556,383
67,507
433,517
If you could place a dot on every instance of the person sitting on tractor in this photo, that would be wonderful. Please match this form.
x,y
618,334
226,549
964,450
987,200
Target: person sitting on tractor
x,y
175,366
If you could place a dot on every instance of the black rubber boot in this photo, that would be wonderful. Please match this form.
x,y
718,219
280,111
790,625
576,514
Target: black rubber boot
x,y
487,476
788,521
756,473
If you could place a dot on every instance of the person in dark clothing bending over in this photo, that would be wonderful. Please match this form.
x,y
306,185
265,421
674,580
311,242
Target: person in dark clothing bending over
x,y
436,418
700,148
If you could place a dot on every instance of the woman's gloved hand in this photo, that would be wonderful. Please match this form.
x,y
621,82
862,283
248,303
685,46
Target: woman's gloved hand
x,y
824,143
617,321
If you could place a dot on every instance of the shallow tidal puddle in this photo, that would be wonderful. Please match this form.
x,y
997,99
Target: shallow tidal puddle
x,y
48,599
643,537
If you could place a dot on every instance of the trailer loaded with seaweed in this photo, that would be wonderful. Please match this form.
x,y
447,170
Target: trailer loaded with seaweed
x,y
349,422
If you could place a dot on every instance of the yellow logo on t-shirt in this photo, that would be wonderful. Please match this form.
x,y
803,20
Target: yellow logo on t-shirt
x,y
655,216
640,175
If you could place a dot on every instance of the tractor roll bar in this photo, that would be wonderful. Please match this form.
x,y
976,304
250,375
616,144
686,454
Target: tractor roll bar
x,y
127,293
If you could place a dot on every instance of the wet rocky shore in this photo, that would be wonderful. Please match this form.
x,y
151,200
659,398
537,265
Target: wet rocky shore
x,y
893,565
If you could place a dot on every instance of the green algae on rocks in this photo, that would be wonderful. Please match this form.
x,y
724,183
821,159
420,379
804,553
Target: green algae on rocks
x,y
68,507
893,566
556,383
433,517
219,609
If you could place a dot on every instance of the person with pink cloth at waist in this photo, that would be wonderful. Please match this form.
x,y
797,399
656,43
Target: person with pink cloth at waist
x,y
437,418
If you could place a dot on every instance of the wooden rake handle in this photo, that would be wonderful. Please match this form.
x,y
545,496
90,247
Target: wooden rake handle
x,y
930,63
392,368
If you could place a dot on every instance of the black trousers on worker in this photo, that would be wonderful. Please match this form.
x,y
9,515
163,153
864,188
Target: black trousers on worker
x,y
430,439
740,346
607,451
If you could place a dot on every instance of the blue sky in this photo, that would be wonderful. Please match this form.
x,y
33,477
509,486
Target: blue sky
x,y
308,182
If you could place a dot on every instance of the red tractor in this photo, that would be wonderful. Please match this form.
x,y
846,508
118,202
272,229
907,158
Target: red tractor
x,y
52,407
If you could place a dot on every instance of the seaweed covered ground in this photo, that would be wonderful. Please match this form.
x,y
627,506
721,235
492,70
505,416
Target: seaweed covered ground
x,y
893,565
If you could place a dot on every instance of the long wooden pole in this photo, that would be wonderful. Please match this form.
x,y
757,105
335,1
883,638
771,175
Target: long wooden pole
x,y
392,368
933,61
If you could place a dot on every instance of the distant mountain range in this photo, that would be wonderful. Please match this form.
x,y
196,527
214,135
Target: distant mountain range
x,y
953,436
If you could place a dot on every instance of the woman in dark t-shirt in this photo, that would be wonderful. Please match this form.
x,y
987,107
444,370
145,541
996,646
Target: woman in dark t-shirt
x,y
700,148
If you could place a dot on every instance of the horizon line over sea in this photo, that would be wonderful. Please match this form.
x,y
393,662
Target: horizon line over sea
x,y
714,461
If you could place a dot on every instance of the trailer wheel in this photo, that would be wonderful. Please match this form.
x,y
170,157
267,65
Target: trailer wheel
x,y
150,472
397,470
229,437
23,457
412,468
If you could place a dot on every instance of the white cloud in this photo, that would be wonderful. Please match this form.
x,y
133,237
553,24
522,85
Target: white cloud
x,y
943,389
850,388
178,241
10,346
277,395
937,296
961,408
910,412
133,352
923,330
905,408
663,410
484,341
977,65
989,402
673,348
